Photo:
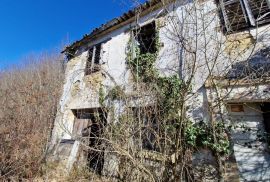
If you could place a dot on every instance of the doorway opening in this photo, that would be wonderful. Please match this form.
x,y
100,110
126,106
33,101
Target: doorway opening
x,y
89,125
265,107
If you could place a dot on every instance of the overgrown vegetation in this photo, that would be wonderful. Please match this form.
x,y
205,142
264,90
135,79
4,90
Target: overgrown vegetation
x,y
159,124
169,91
29,96
149,135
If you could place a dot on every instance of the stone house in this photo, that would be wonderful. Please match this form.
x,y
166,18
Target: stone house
x,y
232,36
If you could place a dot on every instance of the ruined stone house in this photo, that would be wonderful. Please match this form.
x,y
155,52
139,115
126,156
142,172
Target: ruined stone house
x,y
240,28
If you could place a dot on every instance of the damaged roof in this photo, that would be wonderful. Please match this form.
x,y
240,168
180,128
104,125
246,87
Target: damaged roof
x,y
114,22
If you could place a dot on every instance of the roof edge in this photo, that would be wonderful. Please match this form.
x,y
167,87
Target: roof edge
x,y
116,23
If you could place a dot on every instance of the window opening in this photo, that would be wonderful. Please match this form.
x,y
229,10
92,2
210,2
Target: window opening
x,y
150,138
241,14
93,63
265,107
145,37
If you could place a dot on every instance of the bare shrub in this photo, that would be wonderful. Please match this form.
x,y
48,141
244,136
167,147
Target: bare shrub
x,y
28,102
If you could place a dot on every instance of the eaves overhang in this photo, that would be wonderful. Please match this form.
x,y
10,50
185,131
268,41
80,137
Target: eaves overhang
x,y
116,23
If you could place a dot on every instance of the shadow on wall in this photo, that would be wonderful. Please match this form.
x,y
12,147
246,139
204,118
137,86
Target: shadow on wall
x,y
257,66
257,169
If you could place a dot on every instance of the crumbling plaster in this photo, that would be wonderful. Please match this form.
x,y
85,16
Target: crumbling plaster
x,y
81,91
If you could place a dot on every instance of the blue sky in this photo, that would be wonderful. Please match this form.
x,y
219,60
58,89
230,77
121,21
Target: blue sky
x,y
33,26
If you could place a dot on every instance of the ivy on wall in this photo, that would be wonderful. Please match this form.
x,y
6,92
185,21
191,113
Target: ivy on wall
x,y
170,101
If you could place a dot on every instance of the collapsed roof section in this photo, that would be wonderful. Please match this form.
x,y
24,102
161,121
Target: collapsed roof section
x,y
120,21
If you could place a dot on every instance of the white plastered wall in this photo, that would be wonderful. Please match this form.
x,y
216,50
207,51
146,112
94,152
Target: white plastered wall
x,y
81,91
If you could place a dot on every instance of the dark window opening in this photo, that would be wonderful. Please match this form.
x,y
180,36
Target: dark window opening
x,y
97,54
149,140
265,107
150,129
93,60
240,14
146,38
89,124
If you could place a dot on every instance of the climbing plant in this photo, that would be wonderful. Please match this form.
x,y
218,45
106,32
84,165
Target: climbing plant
x,y
170,99
166,127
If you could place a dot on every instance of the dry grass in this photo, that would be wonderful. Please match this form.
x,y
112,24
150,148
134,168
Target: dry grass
x,y
28,103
